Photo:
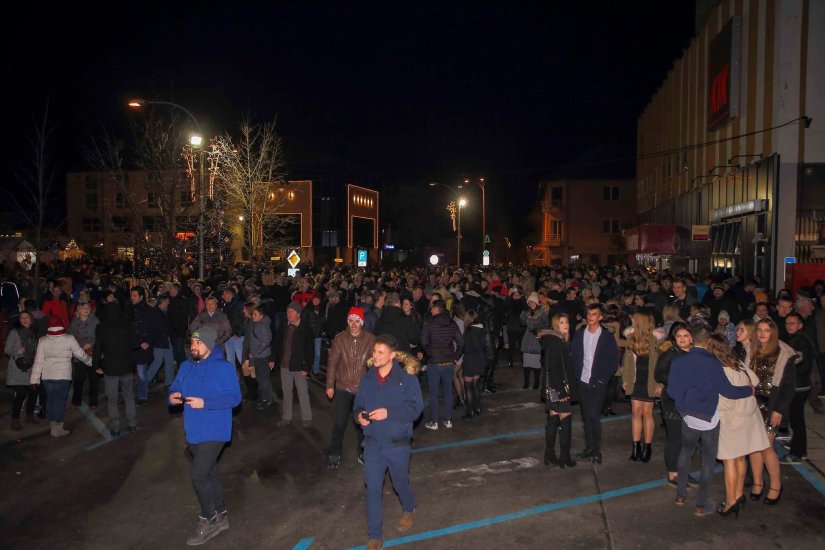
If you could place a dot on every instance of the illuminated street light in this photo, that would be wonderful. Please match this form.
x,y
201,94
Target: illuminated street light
x,y
196,140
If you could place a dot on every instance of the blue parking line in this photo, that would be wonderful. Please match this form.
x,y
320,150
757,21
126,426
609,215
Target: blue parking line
x,y
303,544
805,470
509,435
543,509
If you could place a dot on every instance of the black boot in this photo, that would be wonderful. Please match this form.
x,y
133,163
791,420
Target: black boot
x,y
637,451
526,373
468,401
477,399
550,431
647,449
489,381
536,373
251,388
565,438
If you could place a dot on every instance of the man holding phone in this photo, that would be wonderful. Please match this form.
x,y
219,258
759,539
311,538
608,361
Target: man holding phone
x,y
386,405
207,387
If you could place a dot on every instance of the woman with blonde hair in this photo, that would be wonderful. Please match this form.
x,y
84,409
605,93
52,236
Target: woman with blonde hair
x,y
741,431
558,388
774,363
638,365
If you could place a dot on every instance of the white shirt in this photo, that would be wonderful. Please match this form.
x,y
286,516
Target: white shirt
x,y
701,425
590,341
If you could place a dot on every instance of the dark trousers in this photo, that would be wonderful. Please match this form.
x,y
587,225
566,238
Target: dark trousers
x,y
799,442
377,461
262,375
673,429
514,336
80,374
23,394
710,444
438,376
341,417
591,399
178,351
205,476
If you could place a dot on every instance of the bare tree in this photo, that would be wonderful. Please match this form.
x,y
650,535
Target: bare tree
x,y
250,172
35,201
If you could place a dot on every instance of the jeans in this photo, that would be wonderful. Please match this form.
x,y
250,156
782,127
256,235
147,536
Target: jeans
x,y
710,444
299,381
167,357
342,402
205,477
146,373
126,384
56,393
316,363
591,399
234,349
377,460
437,376
262,375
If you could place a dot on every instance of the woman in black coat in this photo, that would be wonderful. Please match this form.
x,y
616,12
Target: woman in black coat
x,y
478,350
558,389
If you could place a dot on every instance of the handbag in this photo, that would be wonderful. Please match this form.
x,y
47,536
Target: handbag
x,y
554,395
25,361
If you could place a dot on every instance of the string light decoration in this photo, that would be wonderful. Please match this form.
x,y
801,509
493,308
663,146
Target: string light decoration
x,y
452,208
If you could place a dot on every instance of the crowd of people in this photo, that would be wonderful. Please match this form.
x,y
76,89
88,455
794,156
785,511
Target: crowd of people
x,y
726,363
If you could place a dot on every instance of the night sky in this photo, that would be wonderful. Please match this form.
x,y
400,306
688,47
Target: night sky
x,y
378,93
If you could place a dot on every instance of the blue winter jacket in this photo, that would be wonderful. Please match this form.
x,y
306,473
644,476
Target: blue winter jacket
x,y
214,380
400,395
696,380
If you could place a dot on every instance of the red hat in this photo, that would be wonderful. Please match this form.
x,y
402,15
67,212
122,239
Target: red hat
x,y
56,327
357,312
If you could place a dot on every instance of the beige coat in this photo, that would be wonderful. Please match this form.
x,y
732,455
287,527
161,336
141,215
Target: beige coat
x,y
53,360
741,429
629,370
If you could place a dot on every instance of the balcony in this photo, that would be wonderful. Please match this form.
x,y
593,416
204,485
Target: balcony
x,y
548,205
551,239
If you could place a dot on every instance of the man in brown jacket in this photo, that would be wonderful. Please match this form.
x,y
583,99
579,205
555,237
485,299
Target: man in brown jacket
x,y
347,363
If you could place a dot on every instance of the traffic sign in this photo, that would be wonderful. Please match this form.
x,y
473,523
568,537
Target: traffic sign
x,y
790,260
486,253
487,239
293,259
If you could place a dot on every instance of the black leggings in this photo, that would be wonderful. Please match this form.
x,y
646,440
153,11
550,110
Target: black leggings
x,y
205,476
472,393
21,394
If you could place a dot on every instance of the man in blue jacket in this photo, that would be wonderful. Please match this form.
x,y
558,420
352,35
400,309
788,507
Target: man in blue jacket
x,y
696,380
207,387
386,405
595,358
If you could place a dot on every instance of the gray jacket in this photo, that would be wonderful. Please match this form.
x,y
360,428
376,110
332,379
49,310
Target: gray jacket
x,y
260,339
84,331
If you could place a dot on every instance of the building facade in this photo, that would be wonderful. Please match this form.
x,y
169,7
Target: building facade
x,y
584,220
727,150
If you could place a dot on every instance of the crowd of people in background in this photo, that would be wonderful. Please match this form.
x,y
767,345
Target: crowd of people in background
x,y
725,361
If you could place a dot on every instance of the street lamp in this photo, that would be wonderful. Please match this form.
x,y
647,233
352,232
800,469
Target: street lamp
x,y
195,141
480,182
459,203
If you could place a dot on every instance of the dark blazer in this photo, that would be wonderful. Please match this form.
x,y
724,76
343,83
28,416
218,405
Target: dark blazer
x,y
113,342
303,348
605,359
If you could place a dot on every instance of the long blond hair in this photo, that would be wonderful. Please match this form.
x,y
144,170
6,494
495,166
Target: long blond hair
x,y
770,348
639,341
719,347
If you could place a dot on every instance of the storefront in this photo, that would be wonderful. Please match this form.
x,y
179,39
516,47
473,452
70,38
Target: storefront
x,y
661,246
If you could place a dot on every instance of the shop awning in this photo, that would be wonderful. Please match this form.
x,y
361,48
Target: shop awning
x,y
657,238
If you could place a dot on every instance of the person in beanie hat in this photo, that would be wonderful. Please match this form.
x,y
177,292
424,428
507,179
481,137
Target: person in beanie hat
x,y
53,367
357,314
293,352
207,387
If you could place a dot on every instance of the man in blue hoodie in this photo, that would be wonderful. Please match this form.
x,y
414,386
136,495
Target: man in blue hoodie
x,y
207,387
696,380
386,405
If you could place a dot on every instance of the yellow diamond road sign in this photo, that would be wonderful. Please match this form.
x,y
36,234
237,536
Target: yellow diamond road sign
x,y
293,259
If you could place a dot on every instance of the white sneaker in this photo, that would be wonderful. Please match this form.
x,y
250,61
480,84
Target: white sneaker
x,y
448,424
431,425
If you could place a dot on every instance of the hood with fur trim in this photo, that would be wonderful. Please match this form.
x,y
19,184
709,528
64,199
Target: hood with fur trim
x,y
410,363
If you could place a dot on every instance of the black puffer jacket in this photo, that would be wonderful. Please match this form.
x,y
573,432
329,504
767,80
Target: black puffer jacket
x,y
441,339
393,321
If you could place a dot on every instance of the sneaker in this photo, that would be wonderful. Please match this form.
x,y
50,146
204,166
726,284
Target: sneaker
x,y
132,429
784,435
114,433
431,425
205,531
448,424
333,461
222,521
361,459
790,459
263,405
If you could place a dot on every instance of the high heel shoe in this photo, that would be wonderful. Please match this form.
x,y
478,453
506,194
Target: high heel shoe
x,y
757,496
732,510
774,501
741,501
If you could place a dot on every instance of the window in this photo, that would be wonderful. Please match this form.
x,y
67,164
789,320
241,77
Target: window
x,y
120,224
152,223
556,196
610,192
555,230
90,225
152,199
610,227
329,238
91,201
120,200
185,197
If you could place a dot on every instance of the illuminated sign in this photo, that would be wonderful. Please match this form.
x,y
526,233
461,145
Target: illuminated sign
x,y
293,259
700,233
485,258
389,246
723,75
749,207
362,258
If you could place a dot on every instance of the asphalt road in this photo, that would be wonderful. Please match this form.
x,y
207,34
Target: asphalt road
x,y
479,485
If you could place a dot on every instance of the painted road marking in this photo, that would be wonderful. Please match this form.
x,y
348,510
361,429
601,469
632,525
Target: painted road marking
x,y
98,424
510,435
513,407
500,467
303,544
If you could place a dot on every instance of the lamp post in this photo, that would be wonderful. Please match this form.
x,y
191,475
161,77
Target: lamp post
x,y
461,204
480,182
195,141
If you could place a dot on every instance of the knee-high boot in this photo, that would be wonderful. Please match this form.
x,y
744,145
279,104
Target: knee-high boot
x,y
526,372
536,373
469,398
565,439
477,398
550,431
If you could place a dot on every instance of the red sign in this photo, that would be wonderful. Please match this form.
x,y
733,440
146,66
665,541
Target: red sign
x,y
723,75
